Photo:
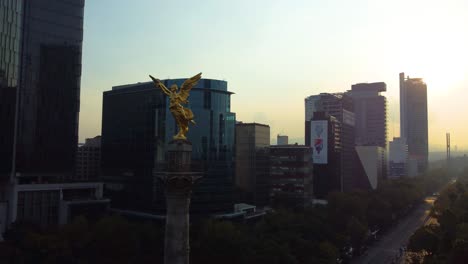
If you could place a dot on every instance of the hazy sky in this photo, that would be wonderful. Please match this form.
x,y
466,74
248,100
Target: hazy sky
x,y
275,53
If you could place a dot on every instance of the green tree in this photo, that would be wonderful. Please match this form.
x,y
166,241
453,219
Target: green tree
x,y
424,239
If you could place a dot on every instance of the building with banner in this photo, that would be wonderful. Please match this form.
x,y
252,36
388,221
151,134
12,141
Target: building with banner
x,y
339,106
326,154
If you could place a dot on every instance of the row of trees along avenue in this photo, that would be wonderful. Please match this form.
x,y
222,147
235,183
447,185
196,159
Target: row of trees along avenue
x,y
311,235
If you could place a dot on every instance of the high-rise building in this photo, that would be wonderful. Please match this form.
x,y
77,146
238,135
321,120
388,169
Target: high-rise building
x,y
282,140
370,110
10,32
10,35
49,94
326,149
291,174
414,120
341,107
136,128
252,162
40,104
40,72
398,158
88,160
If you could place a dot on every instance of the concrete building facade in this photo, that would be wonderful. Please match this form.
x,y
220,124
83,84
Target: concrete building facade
x,y
252,162
282,140
398,158
291,174
88,160
370,110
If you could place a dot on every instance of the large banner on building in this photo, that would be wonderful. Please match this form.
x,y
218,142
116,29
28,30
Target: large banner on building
x,y
319,141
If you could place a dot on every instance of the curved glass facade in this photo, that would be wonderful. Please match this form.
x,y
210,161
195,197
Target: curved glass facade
x,y
136,128
212,137
212,140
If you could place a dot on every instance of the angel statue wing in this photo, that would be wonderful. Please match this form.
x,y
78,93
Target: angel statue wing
x,y
187,86
159,84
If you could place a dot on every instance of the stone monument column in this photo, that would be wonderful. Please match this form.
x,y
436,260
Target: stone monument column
x,y
178,181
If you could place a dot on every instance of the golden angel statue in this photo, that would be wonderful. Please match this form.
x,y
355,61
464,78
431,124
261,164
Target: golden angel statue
x,y
181,114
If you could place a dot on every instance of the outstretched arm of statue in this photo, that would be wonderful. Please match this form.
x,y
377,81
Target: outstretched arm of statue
x,y
159,84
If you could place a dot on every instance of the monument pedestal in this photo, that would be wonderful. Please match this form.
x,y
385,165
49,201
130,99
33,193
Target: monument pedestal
x,y
178,181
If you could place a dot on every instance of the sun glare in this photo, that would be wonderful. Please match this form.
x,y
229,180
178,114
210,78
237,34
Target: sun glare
x,y
442,61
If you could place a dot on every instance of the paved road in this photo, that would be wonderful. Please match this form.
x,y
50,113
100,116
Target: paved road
x,y
387,249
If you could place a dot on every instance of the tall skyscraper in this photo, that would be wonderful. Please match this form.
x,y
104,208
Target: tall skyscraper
x,y
326,148
341,107
414,120
370,110
10,33
252,162
40,72
49,94
40,87
136,127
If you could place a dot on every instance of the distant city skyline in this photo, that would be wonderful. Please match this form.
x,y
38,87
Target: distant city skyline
x,y
273,52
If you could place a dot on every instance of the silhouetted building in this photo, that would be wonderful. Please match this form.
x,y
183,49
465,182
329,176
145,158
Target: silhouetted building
x,y
414,121
136,128
326,149
88,160
10,32
398,158
252,163
49,94
282,140
40,71
132,143
291,175
370,110
339,106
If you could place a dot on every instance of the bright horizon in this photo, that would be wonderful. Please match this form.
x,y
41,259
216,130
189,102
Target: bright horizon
x,y
275,53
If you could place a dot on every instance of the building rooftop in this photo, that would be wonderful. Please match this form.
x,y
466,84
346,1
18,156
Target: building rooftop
x,y
295,146
203,84
250,124
367,87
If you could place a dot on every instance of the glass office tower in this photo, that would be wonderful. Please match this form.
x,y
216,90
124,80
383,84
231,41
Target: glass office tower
x,y
213,143
10,32
133,137
40,71
49,95
136,128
